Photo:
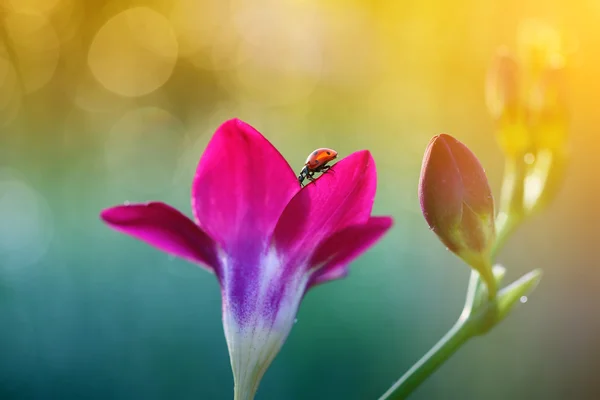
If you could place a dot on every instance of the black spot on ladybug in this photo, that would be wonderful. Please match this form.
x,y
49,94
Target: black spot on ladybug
x,y
316,162
328,153
315,153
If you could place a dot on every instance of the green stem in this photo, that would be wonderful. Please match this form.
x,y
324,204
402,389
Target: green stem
x,y
444,349
477,317
487,276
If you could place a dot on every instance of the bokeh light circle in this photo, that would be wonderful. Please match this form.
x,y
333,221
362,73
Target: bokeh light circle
x,y
143,150
134,53
26,226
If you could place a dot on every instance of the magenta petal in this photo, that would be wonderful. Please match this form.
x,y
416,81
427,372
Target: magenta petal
x,y
335,253
340,198
241,186
165,228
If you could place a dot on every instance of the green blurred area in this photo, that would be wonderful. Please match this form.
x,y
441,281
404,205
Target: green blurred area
x,y
89,313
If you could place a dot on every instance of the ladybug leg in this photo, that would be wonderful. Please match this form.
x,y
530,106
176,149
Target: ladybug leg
x,y
310,177
325,168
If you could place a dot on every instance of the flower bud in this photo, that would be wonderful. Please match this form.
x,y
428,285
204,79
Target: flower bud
x,y
503,98
502,87
457,203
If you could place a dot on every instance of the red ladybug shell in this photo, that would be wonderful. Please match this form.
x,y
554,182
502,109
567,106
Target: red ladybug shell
x,y
320,157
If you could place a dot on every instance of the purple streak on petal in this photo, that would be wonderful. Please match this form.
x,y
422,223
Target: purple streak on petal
x,y
336,252
241,186
165,228
241,279
337,200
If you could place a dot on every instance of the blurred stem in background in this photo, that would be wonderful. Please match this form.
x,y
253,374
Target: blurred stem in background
x,y
530,184
527,100
510,213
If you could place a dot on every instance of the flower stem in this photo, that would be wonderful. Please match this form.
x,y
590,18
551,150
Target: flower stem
x,y
446,347
487,276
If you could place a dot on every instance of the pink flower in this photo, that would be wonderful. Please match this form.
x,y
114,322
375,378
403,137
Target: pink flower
x,y
266,240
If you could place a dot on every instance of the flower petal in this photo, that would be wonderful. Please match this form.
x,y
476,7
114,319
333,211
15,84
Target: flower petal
x,y
335,253
165,228
341,197
241,186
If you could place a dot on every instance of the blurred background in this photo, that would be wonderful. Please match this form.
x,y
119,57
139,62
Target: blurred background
x,y
103,102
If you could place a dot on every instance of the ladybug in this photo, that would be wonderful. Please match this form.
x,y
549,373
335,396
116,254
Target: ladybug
x,y
316,162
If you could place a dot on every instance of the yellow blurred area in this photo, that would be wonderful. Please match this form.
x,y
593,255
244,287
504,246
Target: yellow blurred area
x,y
539,44
134,53
270,52
197,24
36,47
393,63
40,6
11,93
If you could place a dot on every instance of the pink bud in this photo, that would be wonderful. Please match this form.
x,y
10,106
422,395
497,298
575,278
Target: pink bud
x,y
457,201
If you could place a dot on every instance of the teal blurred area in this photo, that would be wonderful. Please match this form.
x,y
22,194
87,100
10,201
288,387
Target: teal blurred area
x,y
90,120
